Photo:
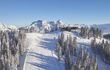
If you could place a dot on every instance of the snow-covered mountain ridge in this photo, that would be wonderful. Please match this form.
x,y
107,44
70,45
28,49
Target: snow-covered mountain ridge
x,y
4,27
46,26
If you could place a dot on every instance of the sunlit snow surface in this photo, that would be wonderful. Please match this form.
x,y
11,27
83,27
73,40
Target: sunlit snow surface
x,y
40,55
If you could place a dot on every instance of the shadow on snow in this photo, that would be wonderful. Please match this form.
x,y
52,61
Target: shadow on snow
x,y
47,62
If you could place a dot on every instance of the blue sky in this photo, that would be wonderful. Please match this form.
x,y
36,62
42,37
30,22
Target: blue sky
x,y
23,12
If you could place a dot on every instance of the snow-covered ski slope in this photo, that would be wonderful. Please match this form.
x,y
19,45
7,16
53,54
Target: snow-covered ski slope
x,y
40,54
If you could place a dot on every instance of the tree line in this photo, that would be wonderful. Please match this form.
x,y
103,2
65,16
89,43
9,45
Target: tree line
x,y
87,32
67,50
102,48
11,48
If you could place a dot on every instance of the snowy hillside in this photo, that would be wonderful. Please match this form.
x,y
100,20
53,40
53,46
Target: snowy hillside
x,y
4,27
46,47
41,52
86,44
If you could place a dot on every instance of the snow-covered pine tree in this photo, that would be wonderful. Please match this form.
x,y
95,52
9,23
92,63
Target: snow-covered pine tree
x,y
59,51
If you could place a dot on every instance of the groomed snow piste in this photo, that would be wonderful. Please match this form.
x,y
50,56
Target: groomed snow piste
x,y
40,54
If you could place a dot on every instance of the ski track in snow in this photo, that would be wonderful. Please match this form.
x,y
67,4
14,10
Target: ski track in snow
x,y
40,54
